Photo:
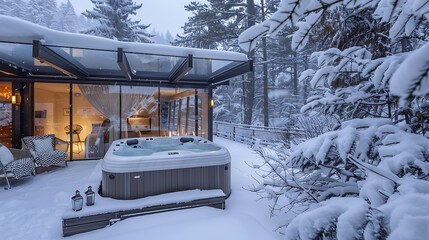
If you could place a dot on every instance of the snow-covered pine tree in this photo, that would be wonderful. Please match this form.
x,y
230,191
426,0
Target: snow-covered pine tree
x,y
115,21
66,18
4,7
18,8
42,12
213,25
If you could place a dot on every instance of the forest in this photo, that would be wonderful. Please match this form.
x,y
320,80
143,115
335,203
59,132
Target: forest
x,y
353,75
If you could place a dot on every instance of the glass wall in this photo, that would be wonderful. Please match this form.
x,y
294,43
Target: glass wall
x,y
95,118
182,112
139,111
6,114
100,114
52,111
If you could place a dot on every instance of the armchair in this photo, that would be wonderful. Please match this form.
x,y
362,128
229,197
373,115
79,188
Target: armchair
x,y
43,150
15,162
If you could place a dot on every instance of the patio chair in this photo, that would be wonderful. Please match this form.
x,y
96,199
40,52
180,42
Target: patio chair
x,y
43,149
15,162
76,129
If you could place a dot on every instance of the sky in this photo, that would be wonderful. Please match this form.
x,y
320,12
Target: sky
x,y
163,15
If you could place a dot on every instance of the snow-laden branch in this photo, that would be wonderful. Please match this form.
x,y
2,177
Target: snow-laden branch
x,y
412,76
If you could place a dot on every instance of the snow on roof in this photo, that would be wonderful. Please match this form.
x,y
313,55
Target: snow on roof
x,y
20,31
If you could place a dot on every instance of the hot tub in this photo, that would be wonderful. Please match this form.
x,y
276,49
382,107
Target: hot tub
x,y
140,167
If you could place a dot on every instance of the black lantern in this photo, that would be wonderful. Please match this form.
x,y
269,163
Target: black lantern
x,y
77,201
90,196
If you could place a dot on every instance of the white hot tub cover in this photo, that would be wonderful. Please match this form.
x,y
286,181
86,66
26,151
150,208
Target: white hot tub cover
x,y
162,153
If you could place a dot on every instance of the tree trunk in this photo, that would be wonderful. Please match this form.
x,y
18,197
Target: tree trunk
x,y
265,71
295,75
305,84
249,90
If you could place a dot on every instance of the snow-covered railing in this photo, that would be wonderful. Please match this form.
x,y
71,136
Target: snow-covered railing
x,y
250,134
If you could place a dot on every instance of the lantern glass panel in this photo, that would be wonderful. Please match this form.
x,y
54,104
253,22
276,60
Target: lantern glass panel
x,y
77,201
90,196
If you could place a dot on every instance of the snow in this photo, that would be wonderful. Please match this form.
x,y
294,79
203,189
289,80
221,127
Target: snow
x,y
247,39
202,223
20,31
278,93
34,207
409,217
347,211
404,82
301,36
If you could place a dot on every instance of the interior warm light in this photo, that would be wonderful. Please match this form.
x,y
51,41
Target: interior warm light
x,y
16,99
211,103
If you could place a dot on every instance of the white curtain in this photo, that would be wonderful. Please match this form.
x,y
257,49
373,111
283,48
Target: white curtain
x,y
105,98
136,100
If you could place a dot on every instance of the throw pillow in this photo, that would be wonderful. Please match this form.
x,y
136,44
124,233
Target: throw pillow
x,y
43,145
5,155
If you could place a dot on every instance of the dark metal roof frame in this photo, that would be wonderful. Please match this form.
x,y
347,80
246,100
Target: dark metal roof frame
x,y
67,66
181,69
105,81
229,71
62,60
124,64
10,69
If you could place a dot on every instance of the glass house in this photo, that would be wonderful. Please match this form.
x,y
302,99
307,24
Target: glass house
x,y
90,91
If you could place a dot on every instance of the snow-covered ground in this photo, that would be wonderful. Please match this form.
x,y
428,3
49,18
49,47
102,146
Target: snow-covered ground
x,y
34,207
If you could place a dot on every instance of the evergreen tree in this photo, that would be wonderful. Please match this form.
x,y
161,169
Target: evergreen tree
x,y
168,37
216,25
18,8
66,19
213,24
115,22
4,7
42,12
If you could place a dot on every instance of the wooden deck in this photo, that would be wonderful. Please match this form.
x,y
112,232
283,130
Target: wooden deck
x,y
83,224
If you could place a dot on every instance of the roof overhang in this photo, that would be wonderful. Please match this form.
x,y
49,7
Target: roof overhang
x,y
32,53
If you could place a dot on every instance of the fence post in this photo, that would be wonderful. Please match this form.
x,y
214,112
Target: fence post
x,y
233,133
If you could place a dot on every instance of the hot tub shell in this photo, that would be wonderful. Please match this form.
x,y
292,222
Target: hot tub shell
x,y
175,166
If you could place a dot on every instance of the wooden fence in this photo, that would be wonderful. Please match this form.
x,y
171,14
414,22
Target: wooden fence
x,y
251,135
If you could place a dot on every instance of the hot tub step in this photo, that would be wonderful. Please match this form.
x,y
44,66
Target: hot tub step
x,y
72,226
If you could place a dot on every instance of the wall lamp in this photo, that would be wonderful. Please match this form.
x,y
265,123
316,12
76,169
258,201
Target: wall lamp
x,y
211,103
16,99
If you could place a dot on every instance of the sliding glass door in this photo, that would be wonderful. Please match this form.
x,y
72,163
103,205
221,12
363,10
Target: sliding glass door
x,y
52,112
96,112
